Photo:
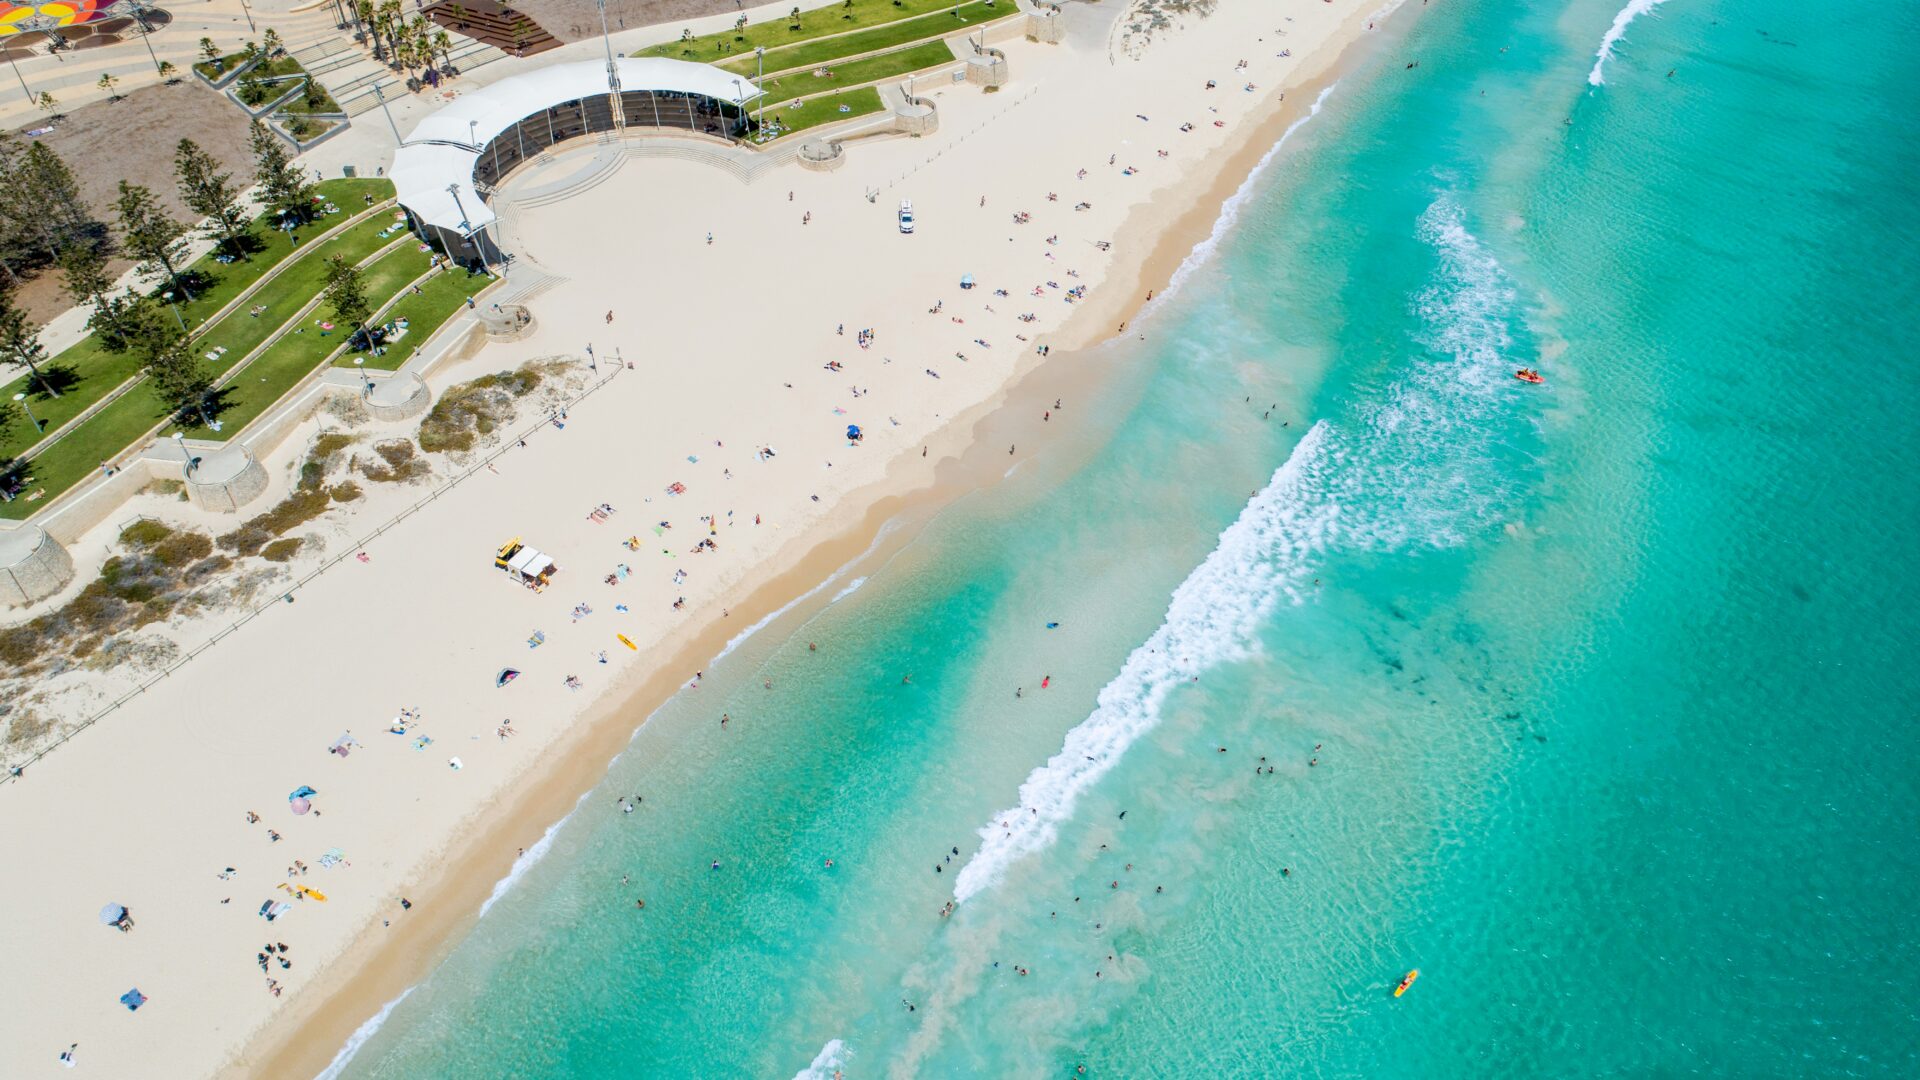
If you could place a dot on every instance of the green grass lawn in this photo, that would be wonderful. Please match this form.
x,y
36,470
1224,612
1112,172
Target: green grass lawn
x,y
300,282
441,297
886,65
826,109
96,372
824,50
713,48
80,452
293,357
232,279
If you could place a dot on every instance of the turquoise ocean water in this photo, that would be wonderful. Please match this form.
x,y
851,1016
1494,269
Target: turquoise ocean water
x,y
1593,701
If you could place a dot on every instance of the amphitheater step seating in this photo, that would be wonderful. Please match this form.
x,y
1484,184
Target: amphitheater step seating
x,y
494,24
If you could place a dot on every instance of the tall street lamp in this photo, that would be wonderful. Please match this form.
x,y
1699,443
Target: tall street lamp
x,y
176,312
382,99
17,75
613,73
22,399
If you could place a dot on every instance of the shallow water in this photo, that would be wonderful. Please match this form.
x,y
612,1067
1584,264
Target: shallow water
x,y
1591,700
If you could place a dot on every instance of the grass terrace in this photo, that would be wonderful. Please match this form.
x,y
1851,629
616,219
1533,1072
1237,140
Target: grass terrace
x,y
241,331
296,353
440,298
78,453
820,22
871,69
85,373
824,50
824,109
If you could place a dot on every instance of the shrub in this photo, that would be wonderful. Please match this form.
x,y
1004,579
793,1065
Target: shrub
x,y
472,409
145,533
281,550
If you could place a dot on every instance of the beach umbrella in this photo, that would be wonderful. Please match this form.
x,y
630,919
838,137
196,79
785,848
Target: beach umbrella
x,y
506,676
853,431
966,281
133,999
300,806
112,914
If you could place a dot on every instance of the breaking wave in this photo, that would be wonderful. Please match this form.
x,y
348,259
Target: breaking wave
x,y
1626,15
1412,467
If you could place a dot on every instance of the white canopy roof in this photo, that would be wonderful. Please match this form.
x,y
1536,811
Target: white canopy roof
x,y
443,148
530,563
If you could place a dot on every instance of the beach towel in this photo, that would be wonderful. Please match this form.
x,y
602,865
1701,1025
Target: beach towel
x,y
332,858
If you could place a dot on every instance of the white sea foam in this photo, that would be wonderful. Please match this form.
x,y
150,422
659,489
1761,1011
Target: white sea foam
x,y
740,638
1263,556
1230,210
359,1038
831,1056
1413,468
1626,15
852,586
529,857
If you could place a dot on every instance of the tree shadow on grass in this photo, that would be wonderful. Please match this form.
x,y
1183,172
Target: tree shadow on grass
x,y
54,379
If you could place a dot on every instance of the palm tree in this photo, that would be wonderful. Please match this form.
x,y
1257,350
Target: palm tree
x,y
444,44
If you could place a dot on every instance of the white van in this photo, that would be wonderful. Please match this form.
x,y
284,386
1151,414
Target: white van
x,y
906,216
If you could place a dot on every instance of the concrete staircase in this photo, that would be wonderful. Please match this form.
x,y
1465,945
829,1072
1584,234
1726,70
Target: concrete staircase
x,y
351,75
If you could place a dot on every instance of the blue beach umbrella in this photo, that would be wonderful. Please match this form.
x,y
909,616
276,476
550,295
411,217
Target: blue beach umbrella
x,y
133,999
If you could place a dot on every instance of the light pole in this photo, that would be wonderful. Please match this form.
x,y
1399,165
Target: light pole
x,y
592,364
760,83
739,99
382,99
613,73
249,11
22,399
146,33
359,362
176,312
466,228
22,78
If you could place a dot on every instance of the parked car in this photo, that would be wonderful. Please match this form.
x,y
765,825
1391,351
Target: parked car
x,y
906,216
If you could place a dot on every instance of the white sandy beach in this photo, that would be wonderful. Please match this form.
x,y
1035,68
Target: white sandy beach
x,y
729,343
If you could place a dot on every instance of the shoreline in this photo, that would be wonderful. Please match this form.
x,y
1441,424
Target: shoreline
x,y
371,974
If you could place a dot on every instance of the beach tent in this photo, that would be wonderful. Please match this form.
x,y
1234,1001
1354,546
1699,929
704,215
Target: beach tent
x,y
112,914
301,792
506,676
133,999
966,281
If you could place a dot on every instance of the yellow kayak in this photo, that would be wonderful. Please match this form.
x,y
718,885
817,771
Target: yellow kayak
x,y
1406,982
628,644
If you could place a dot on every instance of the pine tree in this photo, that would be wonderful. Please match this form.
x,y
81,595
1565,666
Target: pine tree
x,y
347,295
85,270
151,234
284,186
208,193
19,344
179,377
40,197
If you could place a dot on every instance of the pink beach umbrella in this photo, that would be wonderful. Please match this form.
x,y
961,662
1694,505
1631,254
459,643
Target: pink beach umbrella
x,y
300,805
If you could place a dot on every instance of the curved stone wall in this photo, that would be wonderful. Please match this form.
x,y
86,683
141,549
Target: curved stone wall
x,y
400,398
33,566
225,479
